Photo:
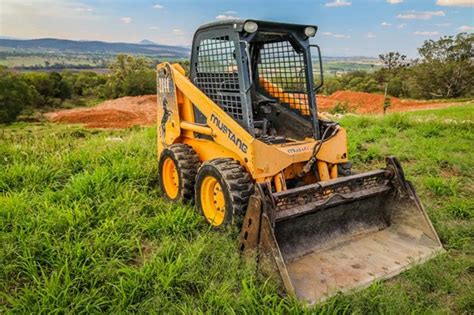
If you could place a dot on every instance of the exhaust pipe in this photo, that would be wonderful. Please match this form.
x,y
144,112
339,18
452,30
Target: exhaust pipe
x,y
341,234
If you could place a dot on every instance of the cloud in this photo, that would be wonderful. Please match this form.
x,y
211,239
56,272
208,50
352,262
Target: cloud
x,y
45,9
455,3
385,24
158,6
177,31
338,3
425,33
420,15
371,35
335,35
83,9
394,1
341,36
466,28
153,28
230,12
126,19
402,25
222,17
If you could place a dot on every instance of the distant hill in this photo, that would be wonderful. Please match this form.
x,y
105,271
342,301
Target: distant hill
x,y
52,45
8,37
146,42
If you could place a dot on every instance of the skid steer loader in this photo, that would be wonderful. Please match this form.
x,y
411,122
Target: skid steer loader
x,y
242,138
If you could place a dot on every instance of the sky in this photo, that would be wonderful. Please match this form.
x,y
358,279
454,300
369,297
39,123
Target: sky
x,y
346,27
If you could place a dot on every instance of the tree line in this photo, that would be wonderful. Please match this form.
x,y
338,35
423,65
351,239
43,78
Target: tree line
x,y
445,70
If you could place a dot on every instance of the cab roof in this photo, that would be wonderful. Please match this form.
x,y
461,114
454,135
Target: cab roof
x,y
238,25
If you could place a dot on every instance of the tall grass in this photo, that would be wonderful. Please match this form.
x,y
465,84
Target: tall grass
x,y
83,228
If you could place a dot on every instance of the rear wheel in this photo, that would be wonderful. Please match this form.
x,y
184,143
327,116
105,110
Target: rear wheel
x,y
222,191
177,172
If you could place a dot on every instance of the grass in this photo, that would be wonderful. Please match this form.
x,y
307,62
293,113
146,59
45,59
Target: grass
x,y
84,230
83,101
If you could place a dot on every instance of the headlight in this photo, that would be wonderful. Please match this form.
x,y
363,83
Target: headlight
x,y
310,31
250,27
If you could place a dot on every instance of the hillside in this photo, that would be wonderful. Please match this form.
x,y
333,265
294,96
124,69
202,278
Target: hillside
x,y
51,45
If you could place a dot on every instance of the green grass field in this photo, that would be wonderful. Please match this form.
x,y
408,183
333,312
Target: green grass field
x,y
84,230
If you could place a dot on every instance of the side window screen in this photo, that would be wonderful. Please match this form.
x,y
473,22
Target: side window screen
x,y
282,76
217,74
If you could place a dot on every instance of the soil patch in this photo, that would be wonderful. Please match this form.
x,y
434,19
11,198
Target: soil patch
x,y
371,103
123,112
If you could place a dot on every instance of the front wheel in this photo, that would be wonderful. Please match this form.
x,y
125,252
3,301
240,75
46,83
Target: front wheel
x,y
222,191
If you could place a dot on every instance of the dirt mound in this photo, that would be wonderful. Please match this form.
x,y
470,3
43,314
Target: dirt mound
x,y
369,103
123,112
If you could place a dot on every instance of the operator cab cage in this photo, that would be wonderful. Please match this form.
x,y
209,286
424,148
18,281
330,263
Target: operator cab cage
x,y
260,73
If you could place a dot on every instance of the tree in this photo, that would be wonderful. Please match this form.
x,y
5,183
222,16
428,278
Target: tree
x,y
393,61
15,95
130,76
447,67
392,73
359,81
50,86
61,89
84,83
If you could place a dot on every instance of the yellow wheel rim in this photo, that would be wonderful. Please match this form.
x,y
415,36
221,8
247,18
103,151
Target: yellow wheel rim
x,y
212,201
170,178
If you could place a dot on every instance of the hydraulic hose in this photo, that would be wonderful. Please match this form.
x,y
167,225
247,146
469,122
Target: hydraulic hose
x,y
334,128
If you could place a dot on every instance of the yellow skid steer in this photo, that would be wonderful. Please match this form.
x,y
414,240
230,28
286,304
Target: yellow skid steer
x,y
241,138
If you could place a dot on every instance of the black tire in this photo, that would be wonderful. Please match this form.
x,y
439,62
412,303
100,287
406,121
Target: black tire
x,y
237,187
187,163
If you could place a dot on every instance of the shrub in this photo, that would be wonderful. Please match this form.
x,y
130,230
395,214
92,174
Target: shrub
x,y
84,83
15,95
130,76
51,88
340,108
387,102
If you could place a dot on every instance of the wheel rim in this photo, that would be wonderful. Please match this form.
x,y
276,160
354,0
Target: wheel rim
x,y
212,201
170,178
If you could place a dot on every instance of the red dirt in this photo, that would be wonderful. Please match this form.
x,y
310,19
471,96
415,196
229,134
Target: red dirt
x,y
123,112
126,112
370,103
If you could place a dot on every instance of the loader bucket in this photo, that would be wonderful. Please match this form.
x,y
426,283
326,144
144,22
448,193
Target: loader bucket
x,y
341,234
